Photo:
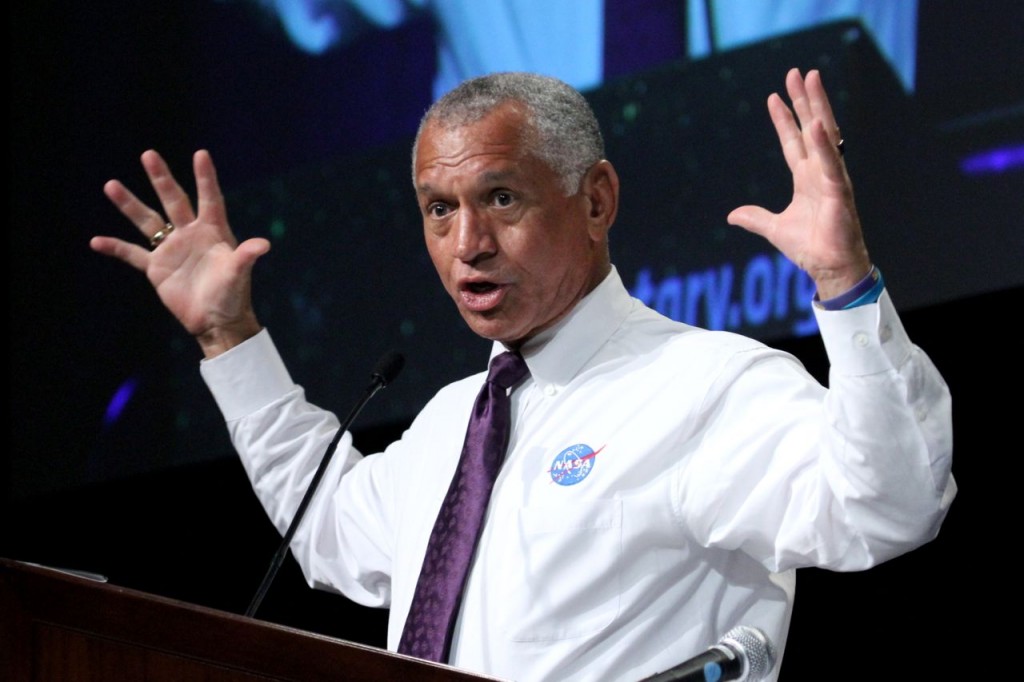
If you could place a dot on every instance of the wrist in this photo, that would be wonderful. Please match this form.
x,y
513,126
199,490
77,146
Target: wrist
x,y
218,340
867,290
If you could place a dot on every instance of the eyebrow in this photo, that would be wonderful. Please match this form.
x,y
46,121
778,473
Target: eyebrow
x,y
498,176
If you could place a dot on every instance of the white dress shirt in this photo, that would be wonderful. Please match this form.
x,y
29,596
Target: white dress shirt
x,y
662,484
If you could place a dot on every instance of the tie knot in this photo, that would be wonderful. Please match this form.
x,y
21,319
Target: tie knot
x,y
507,369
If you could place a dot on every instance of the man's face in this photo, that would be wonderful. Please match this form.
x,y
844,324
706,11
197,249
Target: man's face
x,y
513,252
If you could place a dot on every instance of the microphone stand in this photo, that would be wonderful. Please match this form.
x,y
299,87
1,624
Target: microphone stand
x,y
387,369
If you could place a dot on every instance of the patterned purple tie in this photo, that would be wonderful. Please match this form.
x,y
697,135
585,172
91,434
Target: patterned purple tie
x,y
431,620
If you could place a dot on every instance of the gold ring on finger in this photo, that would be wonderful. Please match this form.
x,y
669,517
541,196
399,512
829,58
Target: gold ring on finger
x,y
161,235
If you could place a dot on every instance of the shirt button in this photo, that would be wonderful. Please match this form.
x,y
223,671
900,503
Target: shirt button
x,y
550,390
921,413
860,339
886,333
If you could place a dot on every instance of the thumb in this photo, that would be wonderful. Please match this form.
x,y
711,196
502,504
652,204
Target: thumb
x,y
752,218
250,250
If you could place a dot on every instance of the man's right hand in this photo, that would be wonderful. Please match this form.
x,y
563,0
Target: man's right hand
x,y
199,270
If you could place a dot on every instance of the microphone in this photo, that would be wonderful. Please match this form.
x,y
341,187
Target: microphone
x,y
744,653
384,373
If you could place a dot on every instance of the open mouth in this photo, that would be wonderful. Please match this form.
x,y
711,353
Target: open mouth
x,y
481,287
481,296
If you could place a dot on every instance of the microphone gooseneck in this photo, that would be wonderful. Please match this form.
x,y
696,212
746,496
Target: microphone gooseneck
x,y
384,373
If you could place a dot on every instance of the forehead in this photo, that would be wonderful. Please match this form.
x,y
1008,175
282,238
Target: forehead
x,y
500,136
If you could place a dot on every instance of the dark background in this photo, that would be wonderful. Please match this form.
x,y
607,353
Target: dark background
x,y
156,500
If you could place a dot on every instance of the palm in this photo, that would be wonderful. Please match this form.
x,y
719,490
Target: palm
x,y
198,281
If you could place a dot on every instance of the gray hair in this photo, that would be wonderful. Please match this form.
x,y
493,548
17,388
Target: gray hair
x,y
563,133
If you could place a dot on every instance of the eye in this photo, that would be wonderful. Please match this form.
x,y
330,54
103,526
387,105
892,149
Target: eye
x,y
437,209
502,198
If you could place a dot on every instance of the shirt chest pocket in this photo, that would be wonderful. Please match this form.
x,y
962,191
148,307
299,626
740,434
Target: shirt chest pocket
x,y
570,570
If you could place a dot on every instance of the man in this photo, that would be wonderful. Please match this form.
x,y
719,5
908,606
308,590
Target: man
x,y
662,482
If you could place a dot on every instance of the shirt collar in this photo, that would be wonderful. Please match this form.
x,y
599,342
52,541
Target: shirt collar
x,y
556,355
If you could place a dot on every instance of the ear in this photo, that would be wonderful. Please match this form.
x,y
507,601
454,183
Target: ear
x,y
600,188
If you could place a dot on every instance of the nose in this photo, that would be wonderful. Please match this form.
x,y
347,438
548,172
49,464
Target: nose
x,y
474,236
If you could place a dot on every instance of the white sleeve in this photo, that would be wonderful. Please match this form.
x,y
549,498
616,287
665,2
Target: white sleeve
x,y
281,439
842,478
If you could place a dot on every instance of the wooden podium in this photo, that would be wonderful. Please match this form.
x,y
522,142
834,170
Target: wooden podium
x,y
55,626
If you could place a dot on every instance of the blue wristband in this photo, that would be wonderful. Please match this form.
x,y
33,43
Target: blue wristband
x,y
863,292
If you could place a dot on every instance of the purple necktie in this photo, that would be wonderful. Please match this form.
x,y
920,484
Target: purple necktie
x,y
431,620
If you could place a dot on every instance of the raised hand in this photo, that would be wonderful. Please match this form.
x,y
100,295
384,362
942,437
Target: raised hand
x,y
820,230
199,270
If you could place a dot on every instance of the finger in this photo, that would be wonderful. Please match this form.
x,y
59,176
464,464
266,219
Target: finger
x,y
132,254
798,96
148,221
821,108
250,250
790,137
212,208
175,201
754,219
828,152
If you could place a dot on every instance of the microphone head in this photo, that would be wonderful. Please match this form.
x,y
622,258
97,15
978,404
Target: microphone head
x,y
754,649
388,367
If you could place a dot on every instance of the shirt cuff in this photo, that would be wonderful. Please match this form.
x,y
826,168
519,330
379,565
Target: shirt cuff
x,y
865,340
863,292
247,378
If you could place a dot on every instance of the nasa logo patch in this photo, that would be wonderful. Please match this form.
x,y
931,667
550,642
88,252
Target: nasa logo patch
x,y
573,464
